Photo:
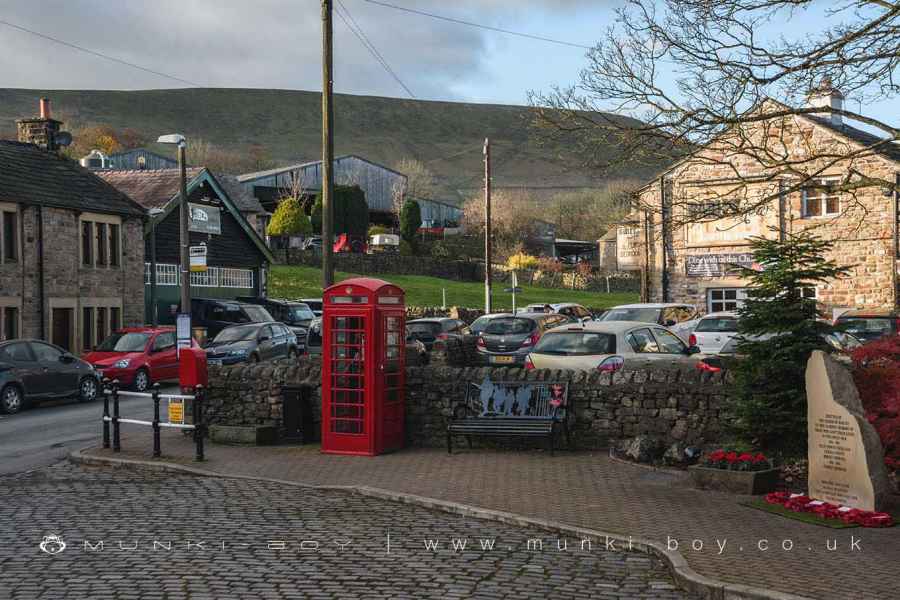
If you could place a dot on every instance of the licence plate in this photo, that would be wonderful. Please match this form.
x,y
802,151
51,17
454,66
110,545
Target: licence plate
x,y
502,359
214,361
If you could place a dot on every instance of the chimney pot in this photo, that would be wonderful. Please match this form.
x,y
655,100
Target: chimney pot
x,y
45,108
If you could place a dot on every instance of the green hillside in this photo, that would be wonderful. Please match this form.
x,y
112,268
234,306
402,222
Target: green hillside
x,y
447,136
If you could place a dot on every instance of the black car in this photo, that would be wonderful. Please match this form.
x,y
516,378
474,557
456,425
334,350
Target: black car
x,y
508,339
314,304
32,370
869,325
253,342
290,312
428,331
215,315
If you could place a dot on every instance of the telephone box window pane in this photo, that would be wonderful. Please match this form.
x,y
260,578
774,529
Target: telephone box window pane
x,y
346,353
348,338
346,426
347,323
349,300
393,323
352,382
347,397
392,353
344,411
393,338
389,300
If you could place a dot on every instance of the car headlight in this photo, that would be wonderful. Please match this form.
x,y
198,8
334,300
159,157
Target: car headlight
x,y
121,364
237,353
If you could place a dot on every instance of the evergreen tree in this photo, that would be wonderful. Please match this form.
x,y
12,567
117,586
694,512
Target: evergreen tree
x,y
780,324
351,212
410,221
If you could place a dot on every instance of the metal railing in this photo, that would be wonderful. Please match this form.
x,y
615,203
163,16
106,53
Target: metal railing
x,y
198,427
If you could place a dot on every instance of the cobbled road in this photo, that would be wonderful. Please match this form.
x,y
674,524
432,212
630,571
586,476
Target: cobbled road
x,y
144,535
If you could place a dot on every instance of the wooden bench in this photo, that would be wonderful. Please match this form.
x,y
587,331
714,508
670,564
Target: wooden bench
x,y
512,409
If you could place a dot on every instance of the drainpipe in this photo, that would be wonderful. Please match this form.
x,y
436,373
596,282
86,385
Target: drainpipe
x,y
664,225
40,257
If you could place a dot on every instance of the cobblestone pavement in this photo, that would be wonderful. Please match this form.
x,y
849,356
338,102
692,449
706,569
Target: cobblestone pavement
x,y
178,536
591,490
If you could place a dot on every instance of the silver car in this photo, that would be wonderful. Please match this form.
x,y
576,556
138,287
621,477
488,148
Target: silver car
x,y
609,346
714,331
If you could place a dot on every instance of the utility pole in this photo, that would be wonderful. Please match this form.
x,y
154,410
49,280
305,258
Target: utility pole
x,y
487,226
327,147
185,235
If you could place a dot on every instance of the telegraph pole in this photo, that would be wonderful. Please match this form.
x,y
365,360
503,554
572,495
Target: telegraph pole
x,y
184,220
487,226
327,147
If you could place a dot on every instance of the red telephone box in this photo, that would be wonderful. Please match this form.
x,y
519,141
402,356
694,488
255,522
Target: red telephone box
x,y
363,367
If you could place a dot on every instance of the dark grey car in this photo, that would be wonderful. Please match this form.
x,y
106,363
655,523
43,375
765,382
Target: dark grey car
x,y
428,331
32,370
253,342
507,339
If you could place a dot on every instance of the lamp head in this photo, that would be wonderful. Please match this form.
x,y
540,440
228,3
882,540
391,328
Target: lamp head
x,y
172,138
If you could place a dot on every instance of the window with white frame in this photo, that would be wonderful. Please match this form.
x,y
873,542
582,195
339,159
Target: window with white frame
x,y
101,241
821,200
168,274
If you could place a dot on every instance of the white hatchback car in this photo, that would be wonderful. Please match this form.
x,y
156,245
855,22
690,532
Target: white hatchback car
x,y
609,346
713,331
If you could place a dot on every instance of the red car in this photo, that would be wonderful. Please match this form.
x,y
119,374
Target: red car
x,y
137,356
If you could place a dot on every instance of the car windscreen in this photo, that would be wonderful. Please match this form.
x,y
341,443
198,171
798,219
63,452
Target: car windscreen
x,y
867,326
479,324
236,334
424,328
301,313
570,343
125,342
717,324
509,326
641,315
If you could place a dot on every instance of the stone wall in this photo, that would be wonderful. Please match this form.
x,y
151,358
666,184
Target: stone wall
x,y
383,263
686,407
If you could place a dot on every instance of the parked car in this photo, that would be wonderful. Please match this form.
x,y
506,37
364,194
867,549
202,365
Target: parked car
x,y
477,326
253,342
416,352
575,311
869,325
32,371
843,343
313,243
215,315
609,346
713,331
428,331
680,318
292,313
509,338
314,304
137,356
314,337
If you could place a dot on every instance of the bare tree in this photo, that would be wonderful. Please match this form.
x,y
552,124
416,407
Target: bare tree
x,y
708,82
420,183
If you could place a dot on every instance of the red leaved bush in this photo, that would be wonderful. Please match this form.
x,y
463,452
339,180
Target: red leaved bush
x,y
877,375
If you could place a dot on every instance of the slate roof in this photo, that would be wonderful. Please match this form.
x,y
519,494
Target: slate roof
x,y
889,150
150,188
243,199
31,175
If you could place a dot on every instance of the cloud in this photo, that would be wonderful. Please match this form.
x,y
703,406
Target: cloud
x,y
264,43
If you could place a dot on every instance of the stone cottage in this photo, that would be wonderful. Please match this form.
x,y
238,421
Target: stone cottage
x,y
71,245
786,174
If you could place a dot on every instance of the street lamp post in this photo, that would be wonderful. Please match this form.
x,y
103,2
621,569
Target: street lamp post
x,y
154,313
180,141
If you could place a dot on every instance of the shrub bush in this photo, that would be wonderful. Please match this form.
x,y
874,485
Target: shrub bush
x,y
548,265
378,230
520,260
877,375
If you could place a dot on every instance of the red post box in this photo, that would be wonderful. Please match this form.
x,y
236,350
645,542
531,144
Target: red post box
x,y
363,367
192,367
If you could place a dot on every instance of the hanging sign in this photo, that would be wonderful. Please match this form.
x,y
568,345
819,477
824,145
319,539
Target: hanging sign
x,y
205,219
716,265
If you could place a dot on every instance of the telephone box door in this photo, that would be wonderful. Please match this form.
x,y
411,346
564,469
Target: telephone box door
x,y
348,422
390,384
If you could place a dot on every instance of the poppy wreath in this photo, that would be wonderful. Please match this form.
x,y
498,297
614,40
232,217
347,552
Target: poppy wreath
x,y
732,460
826,510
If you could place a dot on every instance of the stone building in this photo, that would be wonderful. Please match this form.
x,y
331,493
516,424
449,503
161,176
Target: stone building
x,y
71,246
788,174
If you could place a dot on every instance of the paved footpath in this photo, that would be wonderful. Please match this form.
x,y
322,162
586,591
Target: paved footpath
x,y
154,535
719,538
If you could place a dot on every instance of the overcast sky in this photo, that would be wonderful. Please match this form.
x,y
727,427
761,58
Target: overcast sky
x,y
277,44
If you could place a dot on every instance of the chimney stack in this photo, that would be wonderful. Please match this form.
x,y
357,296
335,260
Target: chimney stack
x,y
41,131
826,95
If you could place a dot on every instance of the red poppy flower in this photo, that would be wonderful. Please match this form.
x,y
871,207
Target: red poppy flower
x,y
731,457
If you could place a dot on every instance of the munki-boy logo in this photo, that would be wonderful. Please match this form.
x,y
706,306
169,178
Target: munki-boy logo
x,y
52,544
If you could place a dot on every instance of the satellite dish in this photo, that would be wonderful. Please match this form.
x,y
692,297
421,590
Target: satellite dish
x,y
63,138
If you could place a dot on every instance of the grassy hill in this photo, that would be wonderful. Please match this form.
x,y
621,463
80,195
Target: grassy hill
x,y
446,136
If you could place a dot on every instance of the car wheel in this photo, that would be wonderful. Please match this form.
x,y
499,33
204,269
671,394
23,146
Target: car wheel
x,y
141,381
292,353
87,389
11,399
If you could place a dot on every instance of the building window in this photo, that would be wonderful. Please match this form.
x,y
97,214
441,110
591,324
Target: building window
x,y
10,324
102,245
87,328
113,245
821,202
115,319
810,293
725,299
87,243
102,323
9,233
